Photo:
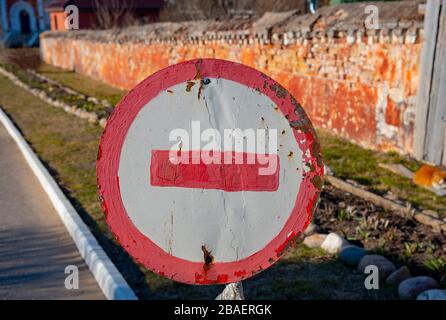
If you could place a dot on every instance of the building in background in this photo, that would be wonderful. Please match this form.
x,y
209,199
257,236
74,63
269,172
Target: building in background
x,y
22,21
104,14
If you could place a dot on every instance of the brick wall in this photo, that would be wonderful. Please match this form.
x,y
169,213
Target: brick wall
x,y
360,84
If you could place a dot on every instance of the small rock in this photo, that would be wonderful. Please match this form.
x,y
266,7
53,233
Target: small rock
x,y
84,114
328,171
103,122
398,276
334,243
433,294
312,228
385,267
351,255
315,240
410,288
93,118
93,100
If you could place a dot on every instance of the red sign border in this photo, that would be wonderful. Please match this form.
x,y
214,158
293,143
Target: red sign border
x,y
146,251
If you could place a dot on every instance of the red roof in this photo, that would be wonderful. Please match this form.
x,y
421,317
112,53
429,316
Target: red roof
x,y
88,5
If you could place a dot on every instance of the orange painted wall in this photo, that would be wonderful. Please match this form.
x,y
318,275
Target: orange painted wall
x,y
364,91
58,21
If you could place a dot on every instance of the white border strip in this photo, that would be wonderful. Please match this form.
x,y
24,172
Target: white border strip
x,y
110,280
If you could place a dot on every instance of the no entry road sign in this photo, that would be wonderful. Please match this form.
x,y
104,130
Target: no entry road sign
x,y
208,170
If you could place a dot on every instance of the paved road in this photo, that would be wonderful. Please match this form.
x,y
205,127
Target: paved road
x,y
35,247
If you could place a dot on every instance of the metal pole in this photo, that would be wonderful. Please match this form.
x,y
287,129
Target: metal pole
x,y
232,291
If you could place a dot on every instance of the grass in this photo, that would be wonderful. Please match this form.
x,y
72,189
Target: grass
x,y
68,146
82,84
435,265
28,58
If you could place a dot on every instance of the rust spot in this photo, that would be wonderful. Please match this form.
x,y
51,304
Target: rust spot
x,y
99,155
301,124
310,166
317,182
279,90
198,76
198,69
200,89
208,258
283,132
317,152
263,119
171,92
189,86
290,155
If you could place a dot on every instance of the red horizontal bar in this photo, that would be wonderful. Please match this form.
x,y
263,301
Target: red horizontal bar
x,y
224,176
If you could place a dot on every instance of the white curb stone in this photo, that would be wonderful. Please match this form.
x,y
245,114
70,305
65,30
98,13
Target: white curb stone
x,y
110,280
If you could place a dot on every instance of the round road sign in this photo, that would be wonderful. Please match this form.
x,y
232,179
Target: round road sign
x,y
208,170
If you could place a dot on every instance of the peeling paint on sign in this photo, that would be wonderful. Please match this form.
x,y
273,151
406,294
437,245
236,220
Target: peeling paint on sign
x,y
201,223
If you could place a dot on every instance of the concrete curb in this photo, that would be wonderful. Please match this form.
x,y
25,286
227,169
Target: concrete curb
x,y
107,276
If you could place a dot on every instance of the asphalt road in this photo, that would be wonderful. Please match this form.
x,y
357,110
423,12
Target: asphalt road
x,y
35,247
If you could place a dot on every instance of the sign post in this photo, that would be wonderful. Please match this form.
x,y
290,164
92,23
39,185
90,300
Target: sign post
x,y
208,171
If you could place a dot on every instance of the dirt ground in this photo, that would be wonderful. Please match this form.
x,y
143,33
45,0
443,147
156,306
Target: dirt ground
x,y
405,241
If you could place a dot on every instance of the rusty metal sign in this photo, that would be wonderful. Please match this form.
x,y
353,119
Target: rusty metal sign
x,y
208,171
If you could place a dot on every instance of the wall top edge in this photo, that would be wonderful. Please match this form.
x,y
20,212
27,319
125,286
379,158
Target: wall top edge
x,y
401,19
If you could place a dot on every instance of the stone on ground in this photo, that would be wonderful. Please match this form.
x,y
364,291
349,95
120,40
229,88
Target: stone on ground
x,y
385,267
351,255
398,276
315,240
410,288
433,294
334,243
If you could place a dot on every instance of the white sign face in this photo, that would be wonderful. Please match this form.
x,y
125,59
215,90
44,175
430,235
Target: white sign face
x,y
208,170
